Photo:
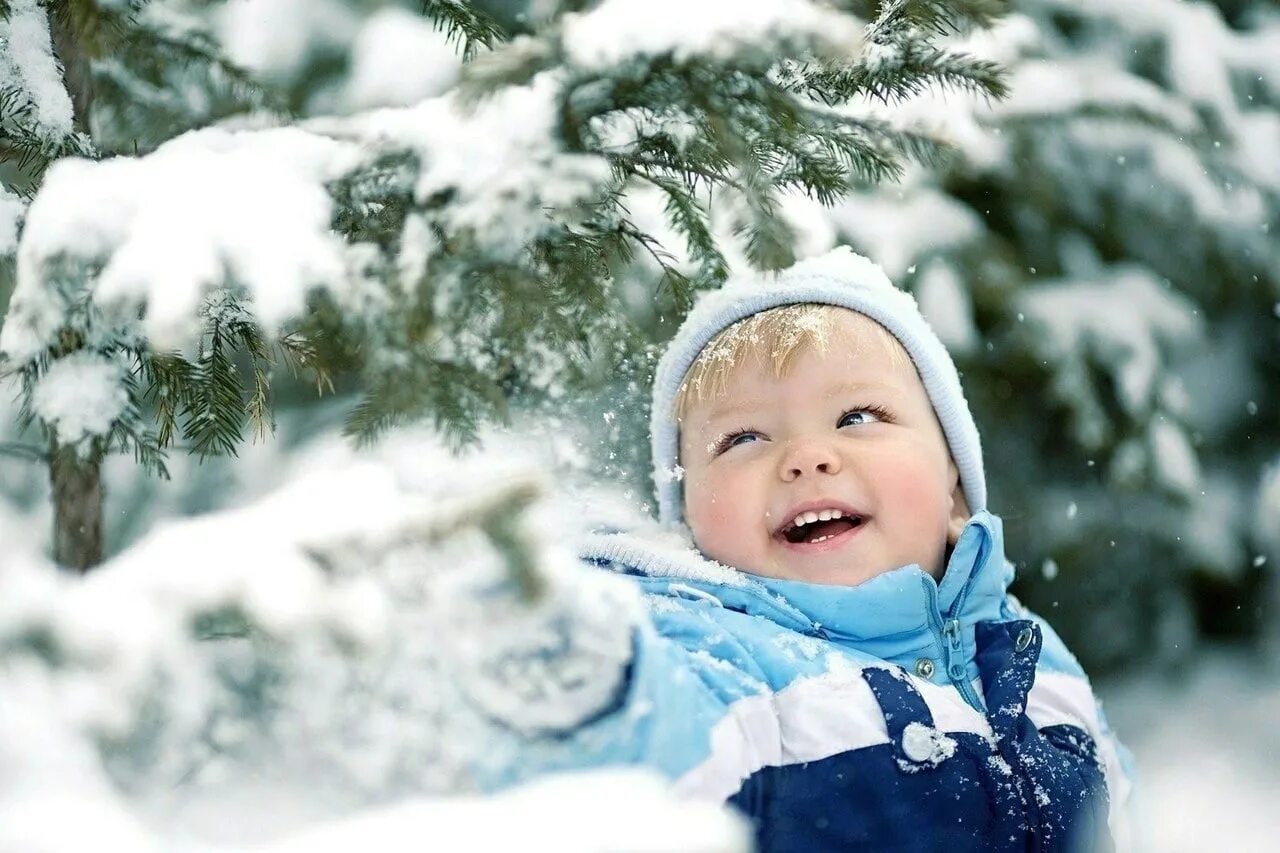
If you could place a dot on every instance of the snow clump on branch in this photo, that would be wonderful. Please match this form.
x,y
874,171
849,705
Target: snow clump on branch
x,y
81,395
494,170
253,210
28,65
617,31
208,207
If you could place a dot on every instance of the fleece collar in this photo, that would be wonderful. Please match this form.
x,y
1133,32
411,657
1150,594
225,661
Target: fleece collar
x,y
896,617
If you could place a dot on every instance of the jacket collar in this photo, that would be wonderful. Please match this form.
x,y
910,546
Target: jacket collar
x,y
892,616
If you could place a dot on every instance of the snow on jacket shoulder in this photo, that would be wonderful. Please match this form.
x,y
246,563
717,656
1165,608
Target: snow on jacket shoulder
x,y
902,714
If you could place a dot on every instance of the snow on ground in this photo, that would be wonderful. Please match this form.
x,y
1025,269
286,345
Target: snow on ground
x,y
1208,751
615,811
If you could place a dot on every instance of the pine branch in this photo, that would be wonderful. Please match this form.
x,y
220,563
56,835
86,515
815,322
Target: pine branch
x,y
169,379
464,23
261,417
371,204
241,327
651,163
129,434
898,72
215,411
768,238
18,450
301,353
689,218
672,279
939,17
22,138
454,396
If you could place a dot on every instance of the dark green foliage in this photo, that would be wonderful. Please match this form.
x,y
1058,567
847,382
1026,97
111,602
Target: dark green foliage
x,y
464,23
209,401
371,204
456,400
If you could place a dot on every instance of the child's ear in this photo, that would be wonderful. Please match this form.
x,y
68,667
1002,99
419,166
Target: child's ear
x,y
959,515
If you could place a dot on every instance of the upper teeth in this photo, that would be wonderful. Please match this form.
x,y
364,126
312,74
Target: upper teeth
x,y
821,515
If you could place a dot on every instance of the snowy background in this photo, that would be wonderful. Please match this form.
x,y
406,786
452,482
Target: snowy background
x,y
1098,251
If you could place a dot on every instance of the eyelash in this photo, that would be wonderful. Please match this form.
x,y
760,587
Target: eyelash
x,y
726,441
880,412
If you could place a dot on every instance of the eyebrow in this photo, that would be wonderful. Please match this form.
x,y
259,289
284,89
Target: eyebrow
x,y
752,405
756,404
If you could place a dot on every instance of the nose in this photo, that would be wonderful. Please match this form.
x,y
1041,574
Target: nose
x,y
808,457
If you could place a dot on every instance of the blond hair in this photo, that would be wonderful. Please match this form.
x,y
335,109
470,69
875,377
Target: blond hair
x,y
775,338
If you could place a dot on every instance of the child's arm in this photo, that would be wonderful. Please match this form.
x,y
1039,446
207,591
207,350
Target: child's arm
x,y
584,678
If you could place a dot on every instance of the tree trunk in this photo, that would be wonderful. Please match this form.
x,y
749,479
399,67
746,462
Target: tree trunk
x,y
76,480
75,66
77,506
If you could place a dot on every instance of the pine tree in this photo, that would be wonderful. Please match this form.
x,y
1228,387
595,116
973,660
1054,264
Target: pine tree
x,y
444,258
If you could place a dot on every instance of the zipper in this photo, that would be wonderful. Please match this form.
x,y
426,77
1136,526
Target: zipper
x,y
946,629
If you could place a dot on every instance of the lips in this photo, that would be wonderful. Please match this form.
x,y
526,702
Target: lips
x,y
818,525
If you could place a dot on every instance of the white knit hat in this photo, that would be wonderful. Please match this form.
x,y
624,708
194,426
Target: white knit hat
x,y
840,278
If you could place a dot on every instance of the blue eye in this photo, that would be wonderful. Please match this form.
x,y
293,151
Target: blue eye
x,y
734,439
858,417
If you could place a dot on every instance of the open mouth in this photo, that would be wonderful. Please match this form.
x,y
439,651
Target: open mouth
x,y
812,528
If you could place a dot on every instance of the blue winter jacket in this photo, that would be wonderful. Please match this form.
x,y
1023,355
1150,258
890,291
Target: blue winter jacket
x,y
901,714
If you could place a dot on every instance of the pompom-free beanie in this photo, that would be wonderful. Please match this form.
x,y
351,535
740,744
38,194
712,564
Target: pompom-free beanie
x,y
840,278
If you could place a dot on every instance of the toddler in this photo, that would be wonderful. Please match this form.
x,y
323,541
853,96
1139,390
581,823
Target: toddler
x,y
837,656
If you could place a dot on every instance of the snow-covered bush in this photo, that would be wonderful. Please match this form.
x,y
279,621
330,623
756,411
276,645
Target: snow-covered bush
x,y
323,650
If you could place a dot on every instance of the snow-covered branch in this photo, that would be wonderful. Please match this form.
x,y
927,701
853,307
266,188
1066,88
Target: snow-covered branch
x,y
221,650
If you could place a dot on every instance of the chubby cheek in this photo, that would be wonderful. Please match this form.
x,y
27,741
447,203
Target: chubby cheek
x,y
717,511
918,492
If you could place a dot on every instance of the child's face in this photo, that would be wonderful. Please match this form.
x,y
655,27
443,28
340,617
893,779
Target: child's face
x,y
850,429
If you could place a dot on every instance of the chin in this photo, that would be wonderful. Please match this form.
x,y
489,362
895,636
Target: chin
x,y
838,575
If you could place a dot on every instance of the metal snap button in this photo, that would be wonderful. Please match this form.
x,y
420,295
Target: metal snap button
x,y
924,668
1024,639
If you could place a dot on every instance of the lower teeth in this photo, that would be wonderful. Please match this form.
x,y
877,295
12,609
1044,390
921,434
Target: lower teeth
x,y
819,539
